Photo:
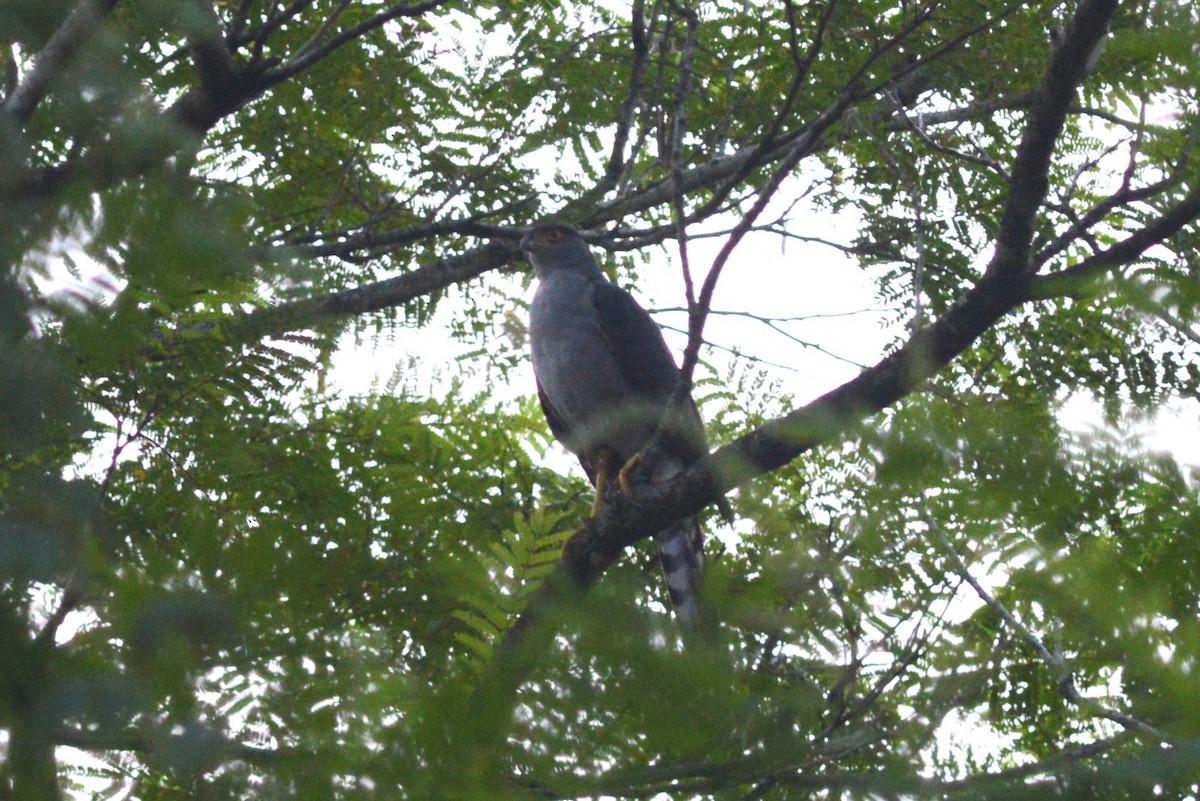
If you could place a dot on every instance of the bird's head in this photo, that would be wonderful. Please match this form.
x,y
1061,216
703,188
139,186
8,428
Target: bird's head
x,y
555,246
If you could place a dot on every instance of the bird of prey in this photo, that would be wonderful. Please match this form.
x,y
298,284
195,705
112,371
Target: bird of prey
x,y
605,378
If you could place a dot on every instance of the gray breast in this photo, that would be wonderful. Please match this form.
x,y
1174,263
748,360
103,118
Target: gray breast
x,y
578,373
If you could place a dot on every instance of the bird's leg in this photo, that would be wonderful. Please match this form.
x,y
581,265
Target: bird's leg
x,y
604,462
623,474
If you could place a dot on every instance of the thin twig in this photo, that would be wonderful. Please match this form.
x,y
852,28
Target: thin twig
x,y
799,318
738,354
914,193
303,60
1064,677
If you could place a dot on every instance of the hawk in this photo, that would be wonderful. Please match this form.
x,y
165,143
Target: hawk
x,y
605,378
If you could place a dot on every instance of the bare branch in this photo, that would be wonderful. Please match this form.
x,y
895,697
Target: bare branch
x,y
1124,196
737,354
917,124
796,147
918,201
779,329
674,160
349,244
796,151
771,146
801,64
772,319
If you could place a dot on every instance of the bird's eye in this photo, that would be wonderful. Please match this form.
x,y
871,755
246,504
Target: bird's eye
x,y
553,236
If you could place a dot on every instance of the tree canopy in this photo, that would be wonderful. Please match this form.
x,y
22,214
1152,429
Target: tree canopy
x,y
222,577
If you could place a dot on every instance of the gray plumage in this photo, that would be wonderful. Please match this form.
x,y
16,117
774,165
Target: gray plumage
x,y
605,377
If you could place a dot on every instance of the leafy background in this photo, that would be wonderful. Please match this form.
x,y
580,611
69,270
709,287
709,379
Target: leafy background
x,y
222,576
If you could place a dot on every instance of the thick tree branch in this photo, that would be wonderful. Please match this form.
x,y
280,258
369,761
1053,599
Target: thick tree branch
x,y
77,29
210,53
376,296
1031,168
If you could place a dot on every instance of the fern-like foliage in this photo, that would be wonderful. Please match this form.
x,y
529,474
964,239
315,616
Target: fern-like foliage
x,y
516,563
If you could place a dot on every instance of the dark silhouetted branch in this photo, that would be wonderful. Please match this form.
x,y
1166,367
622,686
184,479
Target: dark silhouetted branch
x,y
309,312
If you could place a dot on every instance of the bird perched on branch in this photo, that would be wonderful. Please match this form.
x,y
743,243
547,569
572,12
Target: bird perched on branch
x,y
605,379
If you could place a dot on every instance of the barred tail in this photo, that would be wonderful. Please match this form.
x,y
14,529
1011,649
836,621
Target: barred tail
x,y
681,552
